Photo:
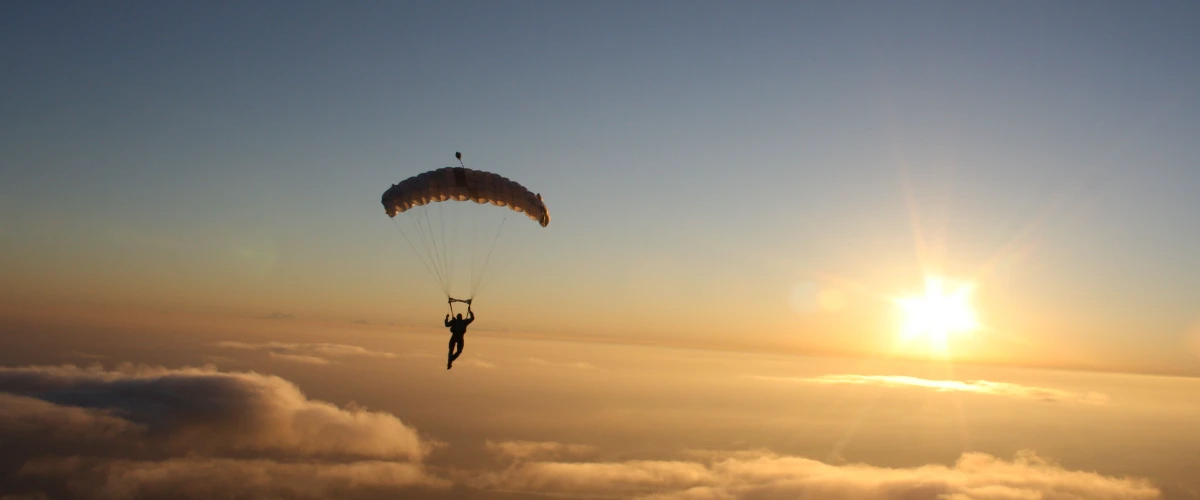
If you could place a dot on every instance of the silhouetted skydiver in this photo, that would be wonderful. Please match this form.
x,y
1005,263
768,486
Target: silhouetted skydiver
x,y
458,328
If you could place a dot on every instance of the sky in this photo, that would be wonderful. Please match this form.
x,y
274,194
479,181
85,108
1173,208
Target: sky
x,y
751,203
704,165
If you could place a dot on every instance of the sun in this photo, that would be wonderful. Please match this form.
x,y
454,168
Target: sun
x,y
942,311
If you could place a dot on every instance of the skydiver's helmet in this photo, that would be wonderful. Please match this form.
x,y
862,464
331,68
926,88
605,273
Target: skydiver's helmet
x,y
459,316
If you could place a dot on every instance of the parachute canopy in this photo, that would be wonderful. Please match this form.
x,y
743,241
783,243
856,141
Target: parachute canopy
x,y
456,242
462,184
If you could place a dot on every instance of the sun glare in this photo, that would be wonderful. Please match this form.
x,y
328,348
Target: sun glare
x,y
937,314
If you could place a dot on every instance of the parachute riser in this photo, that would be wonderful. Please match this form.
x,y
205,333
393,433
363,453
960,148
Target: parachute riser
x,y
451,300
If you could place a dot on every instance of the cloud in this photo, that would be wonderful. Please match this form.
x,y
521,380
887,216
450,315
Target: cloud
x,y
300,358
478,363
314,354
540,450
976,386
568,364
226,478
279,315
419,354
763,475
70,432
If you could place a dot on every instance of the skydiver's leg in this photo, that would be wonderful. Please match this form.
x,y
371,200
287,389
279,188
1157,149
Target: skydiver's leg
x,y
450,354
456,341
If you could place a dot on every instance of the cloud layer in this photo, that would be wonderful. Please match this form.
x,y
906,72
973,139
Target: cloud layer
x,y
76,433
316,354
975,386
539,450
70,432
763,475
568,364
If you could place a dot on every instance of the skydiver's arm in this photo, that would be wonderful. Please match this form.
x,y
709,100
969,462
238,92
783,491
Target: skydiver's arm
x,y
447,320
471,318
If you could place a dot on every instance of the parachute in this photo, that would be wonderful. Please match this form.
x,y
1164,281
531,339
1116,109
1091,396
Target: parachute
x,y
446,235
462,184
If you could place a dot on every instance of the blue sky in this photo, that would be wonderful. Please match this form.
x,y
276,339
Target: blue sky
x,y
202,147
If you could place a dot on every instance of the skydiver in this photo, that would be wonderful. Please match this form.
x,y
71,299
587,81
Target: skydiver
x,y
458,328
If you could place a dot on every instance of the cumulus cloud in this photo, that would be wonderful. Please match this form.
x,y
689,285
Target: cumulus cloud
x,y
767,476
975,386
313,354
70,432
225,478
